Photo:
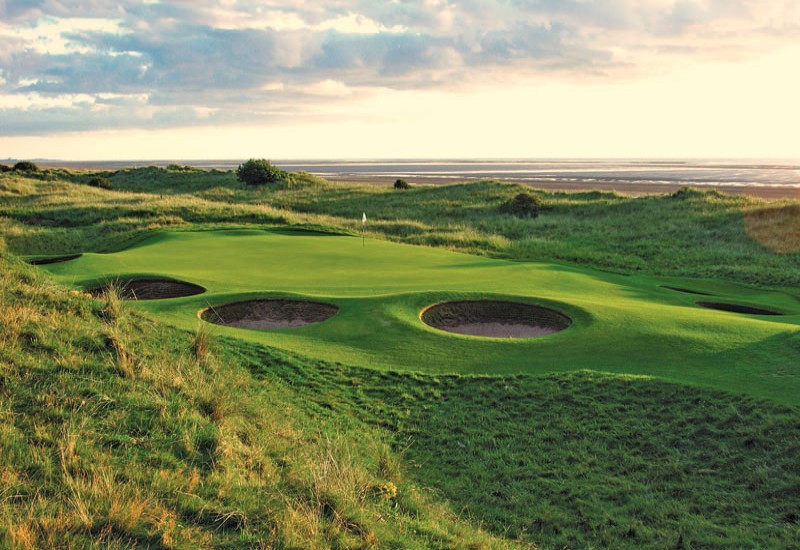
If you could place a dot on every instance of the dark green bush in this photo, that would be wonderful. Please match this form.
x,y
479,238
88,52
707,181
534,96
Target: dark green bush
x,y
401,184
686,192
101,182
523,206
259,172
4,168
25,166
179,168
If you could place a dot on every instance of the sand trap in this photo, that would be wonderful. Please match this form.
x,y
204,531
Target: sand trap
x,y
686,290
55,260
493,318
270,314
734,308
150,289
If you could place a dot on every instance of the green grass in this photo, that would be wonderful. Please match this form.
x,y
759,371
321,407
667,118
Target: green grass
x,y
626,324
650,423
694,234
121,432
582,459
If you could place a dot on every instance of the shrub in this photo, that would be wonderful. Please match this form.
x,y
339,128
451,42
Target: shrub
x,y
4,168
179,168
25,166
259,172
401,184
101,182
523,206
687,192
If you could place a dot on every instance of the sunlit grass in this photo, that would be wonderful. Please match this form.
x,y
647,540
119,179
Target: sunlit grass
x,y
119,431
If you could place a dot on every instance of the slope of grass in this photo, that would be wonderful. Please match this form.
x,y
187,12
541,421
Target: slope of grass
x,y
119,432
583,459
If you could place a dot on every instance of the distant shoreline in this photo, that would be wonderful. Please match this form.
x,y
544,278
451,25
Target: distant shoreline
x,y
623,176
625,188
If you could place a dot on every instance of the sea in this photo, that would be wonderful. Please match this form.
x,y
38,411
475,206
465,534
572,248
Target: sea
x,y
695,172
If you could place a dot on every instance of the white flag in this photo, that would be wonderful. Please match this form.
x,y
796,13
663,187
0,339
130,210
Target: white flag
x,y
363,217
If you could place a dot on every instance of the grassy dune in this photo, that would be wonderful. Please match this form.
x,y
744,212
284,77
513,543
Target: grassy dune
x,y
118,429
692,233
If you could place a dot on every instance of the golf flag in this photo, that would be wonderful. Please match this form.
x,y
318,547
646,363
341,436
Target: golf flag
x,y
363,224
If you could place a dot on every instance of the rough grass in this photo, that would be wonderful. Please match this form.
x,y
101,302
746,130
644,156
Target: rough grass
x,y
585,459
688,233
118,432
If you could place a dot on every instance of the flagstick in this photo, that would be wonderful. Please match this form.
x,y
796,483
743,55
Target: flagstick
x,y
363,230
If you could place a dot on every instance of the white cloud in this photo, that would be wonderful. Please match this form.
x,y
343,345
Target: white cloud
x,y
37,101
282,20
50,36
203,112
354,23
273,87
329,88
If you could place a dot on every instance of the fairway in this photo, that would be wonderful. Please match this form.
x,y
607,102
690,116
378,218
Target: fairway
x,y
622,324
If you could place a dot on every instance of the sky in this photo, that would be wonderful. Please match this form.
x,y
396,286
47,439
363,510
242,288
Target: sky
x,y
294,79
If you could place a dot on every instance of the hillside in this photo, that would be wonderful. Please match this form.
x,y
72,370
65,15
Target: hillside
x,y
120,430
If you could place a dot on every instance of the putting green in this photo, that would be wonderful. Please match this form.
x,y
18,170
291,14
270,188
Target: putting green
x,y
624,324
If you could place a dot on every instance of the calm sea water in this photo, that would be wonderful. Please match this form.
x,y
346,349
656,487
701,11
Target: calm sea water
x,y
711,172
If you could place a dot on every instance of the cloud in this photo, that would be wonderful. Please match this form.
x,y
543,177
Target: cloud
x,y
331,88
234,60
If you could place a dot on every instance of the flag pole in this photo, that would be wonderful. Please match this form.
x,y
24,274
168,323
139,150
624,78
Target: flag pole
x,y
363,228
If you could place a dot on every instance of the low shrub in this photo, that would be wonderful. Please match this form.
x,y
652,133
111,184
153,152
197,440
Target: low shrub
x,y
4,168
523,206
101,182
686,192
401,184
259,172
25,166
179,168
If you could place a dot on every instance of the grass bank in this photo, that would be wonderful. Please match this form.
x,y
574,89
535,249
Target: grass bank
x,y
118,430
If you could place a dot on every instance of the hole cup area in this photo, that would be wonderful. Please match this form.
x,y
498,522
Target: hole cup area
x,y
495,319
269,314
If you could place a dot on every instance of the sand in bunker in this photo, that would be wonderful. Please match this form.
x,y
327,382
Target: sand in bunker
x,y
270,314
495,319
150,289
501,330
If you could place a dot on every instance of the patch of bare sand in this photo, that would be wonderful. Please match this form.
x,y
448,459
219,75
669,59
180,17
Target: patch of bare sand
x,y
149,289
495,319
270,314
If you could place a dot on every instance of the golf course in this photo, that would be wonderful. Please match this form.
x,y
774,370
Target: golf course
x,y
623,324
189,362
